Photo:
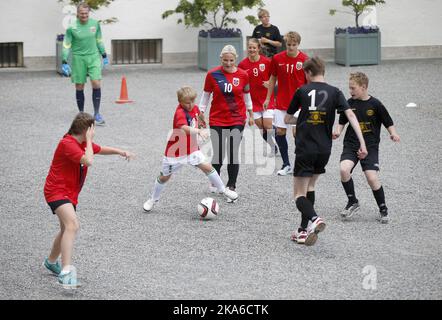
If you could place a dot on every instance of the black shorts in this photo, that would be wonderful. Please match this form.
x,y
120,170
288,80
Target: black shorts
x,y
371,161
55,204
306,165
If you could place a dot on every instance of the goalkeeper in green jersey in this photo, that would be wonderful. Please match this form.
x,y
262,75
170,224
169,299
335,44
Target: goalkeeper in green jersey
x,y
83,38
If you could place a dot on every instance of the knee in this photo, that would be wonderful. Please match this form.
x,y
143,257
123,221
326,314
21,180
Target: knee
x,y
164,179
373,181
345,173
280,131
72,226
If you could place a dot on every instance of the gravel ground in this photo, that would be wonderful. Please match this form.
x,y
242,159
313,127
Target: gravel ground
x,y
246,253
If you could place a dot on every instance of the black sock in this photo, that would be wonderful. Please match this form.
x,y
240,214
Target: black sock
x,y
79,95
96,99
307,211
350,190
283,149
380,197
311,197
264,134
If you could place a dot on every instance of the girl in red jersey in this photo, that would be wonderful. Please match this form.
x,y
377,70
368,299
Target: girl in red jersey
x,y
286,68
258,69
74,154
231,97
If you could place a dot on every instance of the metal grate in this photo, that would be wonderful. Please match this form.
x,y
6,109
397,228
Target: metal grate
x,y
11,54
141,51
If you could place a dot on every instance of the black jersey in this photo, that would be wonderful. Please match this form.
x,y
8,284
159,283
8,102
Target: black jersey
x,y
371,114
271,33
319,102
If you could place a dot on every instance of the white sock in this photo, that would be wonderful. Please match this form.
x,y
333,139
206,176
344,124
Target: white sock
x,y
157,189
66,269
216,181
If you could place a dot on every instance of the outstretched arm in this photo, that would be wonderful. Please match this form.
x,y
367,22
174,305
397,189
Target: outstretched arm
x,y
110,150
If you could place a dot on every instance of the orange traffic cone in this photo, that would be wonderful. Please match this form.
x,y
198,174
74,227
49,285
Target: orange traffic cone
x,y
124,98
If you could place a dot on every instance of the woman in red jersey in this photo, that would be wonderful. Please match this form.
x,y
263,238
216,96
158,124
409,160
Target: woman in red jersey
x,y
258,68
231,98
74,154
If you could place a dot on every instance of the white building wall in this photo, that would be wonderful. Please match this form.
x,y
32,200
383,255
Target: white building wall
x,y
36,23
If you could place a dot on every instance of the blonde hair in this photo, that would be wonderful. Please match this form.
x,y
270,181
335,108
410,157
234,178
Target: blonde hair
x,y
186,92
292,36
83,5
228,49
255,41
360,78
263,12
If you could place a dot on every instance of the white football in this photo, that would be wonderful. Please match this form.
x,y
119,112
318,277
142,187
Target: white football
x,y
208,208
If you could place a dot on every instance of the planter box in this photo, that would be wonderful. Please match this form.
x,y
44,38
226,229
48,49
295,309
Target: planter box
x,y
210,48
357,49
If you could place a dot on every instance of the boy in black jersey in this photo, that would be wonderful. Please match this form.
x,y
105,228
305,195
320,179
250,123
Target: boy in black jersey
x,y
318,103
371,113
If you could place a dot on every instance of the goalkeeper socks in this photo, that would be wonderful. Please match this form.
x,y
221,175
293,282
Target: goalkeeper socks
x,y
96,99
283,149
216,181
79,95
157,189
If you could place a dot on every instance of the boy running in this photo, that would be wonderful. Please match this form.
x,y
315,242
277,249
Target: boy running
x,y
182,148
319,102
371,114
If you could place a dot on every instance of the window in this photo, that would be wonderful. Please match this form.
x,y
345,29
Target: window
x,y
11,54
141,51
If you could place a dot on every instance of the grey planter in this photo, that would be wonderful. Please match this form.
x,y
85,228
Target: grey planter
x,y
357,49
210,48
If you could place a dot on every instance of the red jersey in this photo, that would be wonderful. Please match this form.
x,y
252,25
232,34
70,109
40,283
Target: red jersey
x,y
290,76
66,174
228,107
258,72
179,143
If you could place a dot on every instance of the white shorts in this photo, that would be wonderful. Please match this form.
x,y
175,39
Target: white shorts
x,y
278,119
172,164
267,114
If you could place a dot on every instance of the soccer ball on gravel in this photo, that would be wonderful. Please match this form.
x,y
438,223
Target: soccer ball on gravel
x,y
208,208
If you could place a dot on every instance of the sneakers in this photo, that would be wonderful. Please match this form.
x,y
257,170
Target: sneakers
x,y
99,121
68,280
299,236
350,210
148,205
231,195
312,235
55,268
285,170
383,215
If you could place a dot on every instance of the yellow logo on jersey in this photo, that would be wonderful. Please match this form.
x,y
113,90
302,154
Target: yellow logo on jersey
x,y
370,112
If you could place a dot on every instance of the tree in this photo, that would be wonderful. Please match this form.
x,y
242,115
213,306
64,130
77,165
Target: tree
x,y
358,7
94,5
212,13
